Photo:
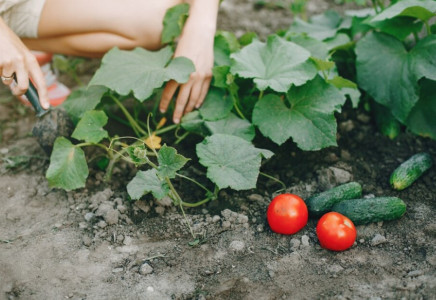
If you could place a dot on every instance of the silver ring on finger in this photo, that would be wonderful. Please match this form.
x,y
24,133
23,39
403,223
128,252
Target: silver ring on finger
x,y
7,78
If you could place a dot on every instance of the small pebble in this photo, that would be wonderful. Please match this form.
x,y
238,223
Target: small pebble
x,y
87,241
415,273
102,224
378,239
305,240
117,270
145,269
295,243
89,216
237,246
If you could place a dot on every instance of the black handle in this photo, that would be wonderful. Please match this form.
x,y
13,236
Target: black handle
x,y
32,96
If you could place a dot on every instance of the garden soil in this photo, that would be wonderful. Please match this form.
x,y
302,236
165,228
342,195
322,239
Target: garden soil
x,y
94,243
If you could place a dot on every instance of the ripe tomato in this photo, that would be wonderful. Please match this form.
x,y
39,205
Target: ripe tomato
x,y
335,232
287,214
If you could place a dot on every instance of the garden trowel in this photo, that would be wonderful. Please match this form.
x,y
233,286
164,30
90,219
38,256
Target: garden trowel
x,y
51,123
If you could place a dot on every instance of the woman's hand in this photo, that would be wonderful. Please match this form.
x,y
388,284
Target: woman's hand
x,y
16,61
195,43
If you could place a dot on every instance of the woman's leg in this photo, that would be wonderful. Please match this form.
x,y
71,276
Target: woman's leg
x,y
92,27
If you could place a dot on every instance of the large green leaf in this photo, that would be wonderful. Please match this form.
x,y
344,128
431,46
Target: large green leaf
x,y
141,71
347,88
420,9
68,169
309,120
90,127
145,182
193,122
231,161
225,44
399,27
217,105
232,125
170,162
173,22
390,74
278,64
82,100
422,118
319,27
316,48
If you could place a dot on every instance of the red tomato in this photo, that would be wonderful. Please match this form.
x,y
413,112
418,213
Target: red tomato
x,y
287,214
335,232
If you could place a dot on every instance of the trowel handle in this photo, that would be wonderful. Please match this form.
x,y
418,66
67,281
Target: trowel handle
x,y
32,96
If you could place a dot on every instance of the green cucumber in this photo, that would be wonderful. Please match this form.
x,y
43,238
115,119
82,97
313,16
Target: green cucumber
x,y
386,123
370,210
323,202
410,170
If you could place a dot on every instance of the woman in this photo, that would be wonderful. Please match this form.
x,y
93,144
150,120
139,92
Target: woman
x,y
92,27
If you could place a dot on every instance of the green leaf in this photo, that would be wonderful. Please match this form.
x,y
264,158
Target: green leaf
x,y
347,88
400,27
337,41
83,100
316,48
231,161
145,182
323,65
170,162
277,64
220,77
422,120
420,9
309,120
90,127
193,122
319,27
217,105
68,169
232,125
141,71
225,43
384,59
247,38
173,22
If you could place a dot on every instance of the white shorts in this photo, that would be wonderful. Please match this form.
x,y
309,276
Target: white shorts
x,y
22,16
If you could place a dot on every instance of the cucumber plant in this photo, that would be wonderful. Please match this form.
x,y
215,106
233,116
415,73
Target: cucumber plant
x,y
287,87
389,51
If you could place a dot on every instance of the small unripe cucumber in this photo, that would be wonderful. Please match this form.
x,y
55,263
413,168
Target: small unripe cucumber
x,y
387,124
410,170
370,210
323,202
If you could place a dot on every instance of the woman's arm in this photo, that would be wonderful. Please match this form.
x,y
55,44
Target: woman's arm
x,y
195,43
16,58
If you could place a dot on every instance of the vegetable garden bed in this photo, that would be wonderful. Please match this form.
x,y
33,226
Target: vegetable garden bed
x,y
94,242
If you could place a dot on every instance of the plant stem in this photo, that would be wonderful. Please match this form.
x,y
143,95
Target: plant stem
x,y
195,182
92,144
274,179
235,97
165,129
138,129
181,138
260,95
427,27
196,204
238,109
180,202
